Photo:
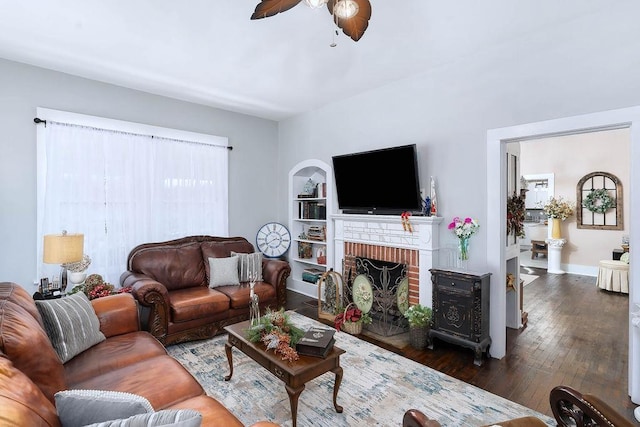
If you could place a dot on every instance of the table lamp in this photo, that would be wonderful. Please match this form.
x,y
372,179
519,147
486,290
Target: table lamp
x,y
62,249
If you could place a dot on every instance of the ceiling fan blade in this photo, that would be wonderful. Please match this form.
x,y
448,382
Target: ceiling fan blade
x,y
268,8
355,26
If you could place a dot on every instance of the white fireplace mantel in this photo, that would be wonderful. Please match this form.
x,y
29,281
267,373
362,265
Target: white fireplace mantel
x,y
388,231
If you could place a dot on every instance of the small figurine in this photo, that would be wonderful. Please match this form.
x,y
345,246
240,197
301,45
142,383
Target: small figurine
x,y
254,310
434,203
426,210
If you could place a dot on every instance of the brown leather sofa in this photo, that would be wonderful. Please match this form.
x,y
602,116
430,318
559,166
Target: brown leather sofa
x,y
170,281
129,360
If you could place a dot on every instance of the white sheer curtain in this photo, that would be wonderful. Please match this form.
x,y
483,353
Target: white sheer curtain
x,y
121,189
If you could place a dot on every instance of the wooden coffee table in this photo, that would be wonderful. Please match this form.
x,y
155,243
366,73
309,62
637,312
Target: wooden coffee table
x,y
295,374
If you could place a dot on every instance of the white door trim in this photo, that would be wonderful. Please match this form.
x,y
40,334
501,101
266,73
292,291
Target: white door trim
x,y
496,214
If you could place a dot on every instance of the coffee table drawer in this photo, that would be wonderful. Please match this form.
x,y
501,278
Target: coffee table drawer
x,y
279,372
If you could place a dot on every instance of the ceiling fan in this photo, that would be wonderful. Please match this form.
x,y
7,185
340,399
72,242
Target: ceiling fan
x,y
352,16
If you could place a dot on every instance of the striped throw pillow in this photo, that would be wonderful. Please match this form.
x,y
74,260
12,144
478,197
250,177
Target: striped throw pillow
x,y
249,265
71,324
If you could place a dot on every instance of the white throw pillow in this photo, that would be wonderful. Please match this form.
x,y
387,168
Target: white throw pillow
x,y
249,265
223,271
71,324
82,407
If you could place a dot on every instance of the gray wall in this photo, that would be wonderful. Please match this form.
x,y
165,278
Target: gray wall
x,y
23,88
587,64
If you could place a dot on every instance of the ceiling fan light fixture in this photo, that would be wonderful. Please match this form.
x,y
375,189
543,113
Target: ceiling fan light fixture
x,y
345,9
315,4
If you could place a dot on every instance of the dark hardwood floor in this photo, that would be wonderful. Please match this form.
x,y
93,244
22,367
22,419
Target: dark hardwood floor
x,y
576,335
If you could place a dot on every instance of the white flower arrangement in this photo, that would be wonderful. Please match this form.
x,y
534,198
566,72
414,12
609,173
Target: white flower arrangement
x,y
558,208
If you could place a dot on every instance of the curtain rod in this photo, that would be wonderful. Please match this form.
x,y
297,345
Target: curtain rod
x,y
38,120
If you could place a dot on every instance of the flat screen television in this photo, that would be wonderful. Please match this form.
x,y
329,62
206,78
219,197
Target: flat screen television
x,y
381,181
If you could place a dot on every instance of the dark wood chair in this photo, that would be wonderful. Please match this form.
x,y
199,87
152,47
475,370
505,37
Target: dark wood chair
x,y
569,406
415,418
572,408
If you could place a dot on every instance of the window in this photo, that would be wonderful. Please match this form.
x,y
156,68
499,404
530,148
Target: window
x,y
122,184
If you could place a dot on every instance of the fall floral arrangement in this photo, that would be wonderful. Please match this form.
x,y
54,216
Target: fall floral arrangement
x,y
515,215
277,333
558,208
95,287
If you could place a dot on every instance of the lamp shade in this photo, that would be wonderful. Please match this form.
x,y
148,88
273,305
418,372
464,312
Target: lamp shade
x,y
346,9
62,248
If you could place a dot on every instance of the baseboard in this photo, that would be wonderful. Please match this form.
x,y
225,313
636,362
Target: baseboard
x,y
583,270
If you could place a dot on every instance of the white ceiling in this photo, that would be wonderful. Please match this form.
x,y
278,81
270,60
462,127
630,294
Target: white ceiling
x,y
210,52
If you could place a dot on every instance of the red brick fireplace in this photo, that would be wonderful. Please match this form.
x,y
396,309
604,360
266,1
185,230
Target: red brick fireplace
x,y
386,253
382,237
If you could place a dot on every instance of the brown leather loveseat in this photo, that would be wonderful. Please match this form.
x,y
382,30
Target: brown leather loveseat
x,y
128,360
171,282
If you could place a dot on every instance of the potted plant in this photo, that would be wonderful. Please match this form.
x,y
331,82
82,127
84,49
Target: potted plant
x,y
419,318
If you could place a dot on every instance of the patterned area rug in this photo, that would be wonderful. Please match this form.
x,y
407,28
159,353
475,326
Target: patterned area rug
x,y
377,388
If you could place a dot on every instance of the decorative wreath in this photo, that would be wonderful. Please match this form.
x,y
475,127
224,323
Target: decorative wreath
x,y
598,201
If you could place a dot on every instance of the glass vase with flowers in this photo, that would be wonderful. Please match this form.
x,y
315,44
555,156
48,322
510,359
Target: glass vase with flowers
x,y
464,229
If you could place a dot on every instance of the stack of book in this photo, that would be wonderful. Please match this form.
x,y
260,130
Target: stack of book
x,y
317,342
312,275
316,233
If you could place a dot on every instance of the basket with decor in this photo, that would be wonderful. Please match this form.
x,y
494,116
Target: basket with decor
x,y
351,320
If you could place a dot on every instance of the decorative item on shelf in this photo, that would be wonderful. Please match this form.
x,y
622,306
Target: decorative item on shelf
x,y
426,206
309,190
312,275
351,320
254,309
511,282
515,215
406,223
330,292
63,249
276,331
321,257
317,233
557,209
305,250
434,202
598,201
464,229
419,318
